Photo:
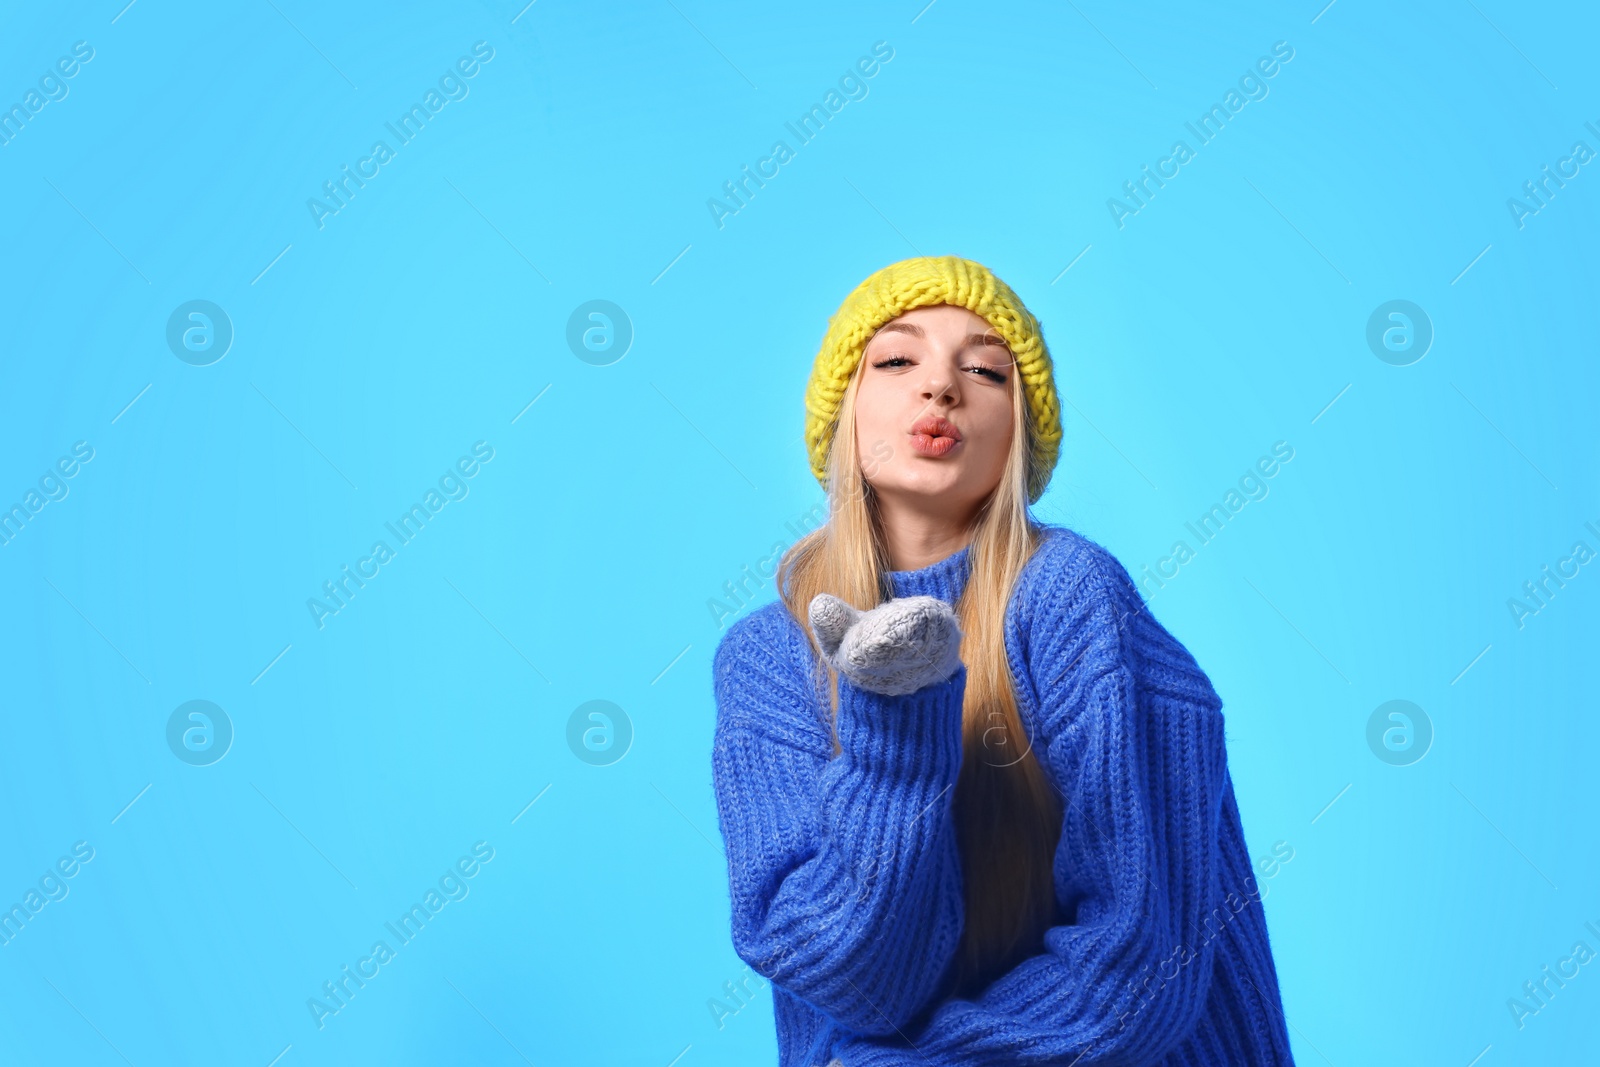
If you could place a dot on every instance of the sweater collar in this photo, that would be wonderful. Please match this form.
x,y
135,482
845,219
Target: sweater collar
x,y
944,579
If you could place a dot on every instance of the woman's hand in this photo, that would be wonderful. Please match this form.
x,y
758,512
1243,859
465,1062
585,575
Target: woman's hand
x,y
898,647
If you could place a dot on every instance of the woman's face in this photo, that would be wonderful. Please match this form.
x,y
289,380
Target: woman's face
x,y
933,408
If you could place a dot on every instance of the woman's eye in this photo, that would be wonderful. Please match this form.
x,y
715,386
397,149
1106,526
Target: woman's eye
x,y
983,369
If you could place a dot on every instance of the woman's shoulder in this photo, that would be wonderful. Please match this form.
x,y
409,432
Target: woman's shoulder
x,y
1069,568
1077,599
763,672
764,633
1069,603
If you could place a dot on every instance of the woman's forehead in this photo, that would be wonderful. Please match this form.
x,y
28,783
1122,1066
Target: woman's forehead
x,y
943,319
935,311
935,317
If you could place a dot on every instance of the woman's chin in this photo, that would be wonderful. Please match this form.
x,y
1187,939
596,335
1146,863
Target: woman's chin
x,y
942,486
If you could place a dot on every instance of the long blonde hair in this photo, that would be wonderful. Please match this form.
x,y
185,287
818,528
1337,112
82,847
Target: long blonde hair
x,y
1008,816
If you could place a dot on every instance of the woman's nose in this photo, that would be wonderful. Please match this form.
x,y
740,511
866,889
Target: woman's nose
x,y
938,385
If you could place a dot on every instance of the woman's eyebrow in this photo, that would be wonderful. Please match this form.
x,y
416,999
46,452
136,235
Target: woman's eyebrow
x,y
974,339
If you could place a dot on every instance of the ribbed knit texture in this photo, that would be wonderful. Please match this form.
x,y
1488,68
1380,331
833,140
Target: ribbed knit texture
x,y
846,879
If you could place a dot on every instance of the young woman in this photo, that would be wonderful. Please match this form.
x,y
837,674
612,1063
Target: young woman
x,y
975,798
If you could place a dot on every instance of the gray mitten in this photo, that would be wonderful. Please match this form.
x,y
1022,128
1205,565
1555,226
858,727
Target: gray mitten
x,y
896,648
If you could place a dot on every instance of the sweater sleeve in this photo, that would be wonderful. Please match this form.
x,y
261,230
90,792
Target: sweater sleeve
x,y
844,872
1137,747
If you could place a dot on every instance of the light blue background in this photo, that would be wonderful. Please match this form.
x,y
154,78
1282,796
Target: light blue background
x,y
428,313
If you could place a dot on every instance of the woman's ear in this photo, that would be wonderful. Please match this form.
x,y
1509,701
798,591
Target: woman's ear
x,y
830,618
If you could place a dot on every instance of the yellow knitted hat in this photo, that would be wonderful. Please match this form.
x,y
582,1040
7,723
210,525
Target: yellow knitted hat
x,y
919,282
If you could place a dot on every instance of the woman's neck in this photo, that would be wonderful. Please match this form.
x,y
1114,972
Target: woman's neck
x,y
914,538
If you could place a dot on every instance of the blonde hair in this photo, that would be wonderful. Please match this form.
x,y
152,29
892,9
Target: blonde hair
x,y
1007,814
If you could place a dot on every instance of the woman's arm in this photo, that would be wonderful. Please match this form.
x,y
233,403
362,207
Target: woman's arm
x,y
844,873
1137,747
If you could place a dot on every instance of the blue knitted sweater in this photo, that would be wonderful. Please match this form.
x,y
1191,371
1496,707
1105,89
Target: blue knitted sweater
x,y
846,878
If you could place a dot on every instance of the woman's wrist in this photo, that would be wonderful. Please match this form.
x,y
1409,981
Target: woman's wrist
x,y
908,736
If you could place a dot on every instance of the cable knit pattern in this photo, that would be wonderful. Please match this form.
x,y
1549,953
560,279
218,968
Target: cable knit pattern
x,y
846,879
